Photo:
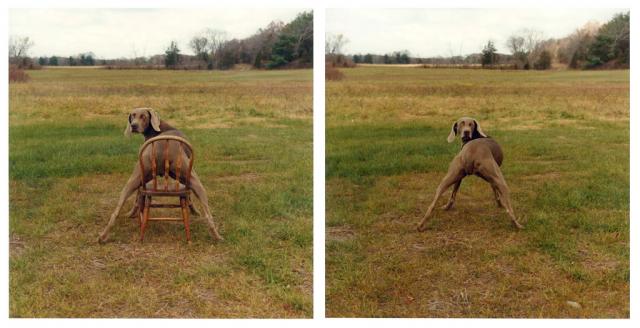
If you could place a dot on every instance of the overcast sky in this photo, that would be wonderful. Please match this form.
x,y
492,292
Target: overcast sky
x,y
114,33
446,32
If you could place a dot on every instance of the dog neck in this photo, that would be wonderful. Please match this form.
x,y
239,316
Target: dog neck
x,y
150,132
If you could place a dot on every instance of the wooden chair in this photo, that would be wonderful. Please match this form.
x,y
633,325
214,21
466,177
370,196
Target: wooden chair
x,y
153,188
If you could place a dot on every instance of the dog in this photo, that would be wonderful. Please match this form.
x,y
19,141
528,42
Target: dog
x,y
146,121
480,155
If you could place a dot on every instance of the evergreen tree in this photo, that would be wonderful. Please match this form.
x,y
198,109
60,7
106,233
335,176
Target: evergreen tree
x,y
489,54
172,56
611,43
283,51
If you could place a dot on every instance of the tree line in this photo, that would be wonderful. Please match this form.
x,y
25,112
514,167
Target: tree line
x,y
589,47
278,45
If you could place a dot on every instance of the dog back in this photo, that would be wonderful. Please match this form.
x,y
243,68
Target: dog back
x,y
492,145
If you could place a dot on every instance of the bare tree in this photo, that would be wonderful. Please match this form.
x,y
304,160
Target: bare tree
x,y
526,45
261,43
305,35
334,43
532,38
19,49
515,44
575,45
215,40
199,45
139,55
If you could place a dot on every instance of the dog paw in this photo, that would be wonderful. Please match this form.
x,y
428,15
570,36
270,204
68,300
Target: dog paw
x,y
215,235
447,207
102,239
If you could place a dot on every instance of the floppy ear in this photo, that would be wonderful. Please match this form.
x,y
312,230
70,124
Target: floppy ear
x,y
127,130
155,120
479,129
453,133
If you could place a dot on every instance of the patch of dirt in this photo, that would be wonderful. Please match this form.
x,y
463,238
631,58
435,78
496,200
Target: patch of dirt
x,y
340,233
16,246
596,261
307,280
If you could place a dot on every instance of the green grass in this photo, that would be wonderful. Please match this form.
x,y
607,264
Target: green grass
x,y
69,160
565,135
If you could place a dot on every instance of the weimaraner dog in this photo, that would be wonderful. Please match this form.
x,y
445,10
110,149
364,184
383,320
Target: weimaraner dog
x,y
147,122
480,155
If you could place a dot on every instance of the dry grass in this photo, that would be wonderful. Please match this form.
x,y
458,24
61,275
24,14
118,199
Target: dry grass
x,y
17,75
69,160
566,140
332,74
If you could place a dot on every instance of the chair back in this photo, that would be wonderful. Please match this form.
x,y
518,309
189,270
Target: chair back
x,y
160,146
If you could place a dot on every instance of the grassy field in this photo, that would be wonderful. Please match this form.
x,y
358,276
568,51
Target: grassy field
x,y
565,135
252,133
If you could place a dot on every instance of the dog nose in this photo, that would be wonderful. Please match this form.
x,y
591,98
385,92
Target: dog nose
x,y
134,126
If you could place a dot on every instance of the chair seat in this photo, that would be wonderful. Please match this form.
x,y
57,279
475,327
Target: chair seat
x,y
182,190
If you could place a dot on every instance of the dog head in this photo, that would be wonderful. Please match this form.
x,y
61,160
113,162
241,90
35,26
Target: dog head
x,y
467,129
140,119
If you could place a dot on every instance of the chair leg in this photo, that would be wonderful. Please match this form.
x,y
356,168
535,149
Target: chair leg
x,y
141,210
145,216
185,217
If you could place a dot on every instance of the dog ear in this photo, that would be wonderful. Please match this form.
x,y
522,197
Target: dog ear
x,y
127,130
154,119
453,133
479,129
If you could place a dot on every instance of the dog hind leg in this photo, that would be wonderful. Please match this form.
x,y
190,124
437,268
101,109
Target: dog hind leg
x,y
201,194
454,175
129,188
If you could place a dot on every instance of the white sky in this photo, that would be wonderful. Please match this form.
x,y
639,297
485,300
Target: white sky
x,y
446,32
115,33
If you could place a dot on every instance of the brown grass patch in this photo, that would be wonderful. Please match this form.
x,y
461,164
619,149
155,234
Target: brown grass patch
x,y
17,74
333,74
341,233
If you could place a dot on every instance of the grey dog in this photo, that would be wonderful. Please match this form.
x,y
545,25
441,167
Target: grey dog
x,y
147,122
480,155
